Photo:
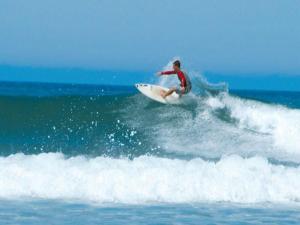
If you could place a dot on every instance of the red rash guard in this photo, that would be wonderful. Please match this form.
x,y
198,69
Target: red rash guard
x,y
180,75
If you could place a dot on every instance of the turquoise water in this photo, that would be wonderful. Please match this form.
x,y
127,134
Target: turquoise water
x,y
84,154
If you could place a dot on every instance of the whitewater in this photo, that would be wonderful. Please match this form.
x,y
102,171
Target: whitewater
x,y
148,179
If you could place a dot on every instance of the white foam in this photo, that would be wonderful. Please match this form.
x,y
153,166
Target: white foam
x,y
199,131
282,123
147,179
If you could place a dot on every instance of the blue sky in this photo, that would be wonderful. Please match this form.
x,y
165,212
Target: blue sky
x,y
234,40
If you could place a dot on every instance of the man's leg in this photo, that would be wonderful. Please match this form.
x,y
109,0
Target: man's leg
x,y
165,94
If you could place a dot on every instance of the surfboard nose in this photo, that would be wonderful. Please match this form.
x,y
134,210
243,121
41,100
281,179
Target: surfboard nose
x,y
140,85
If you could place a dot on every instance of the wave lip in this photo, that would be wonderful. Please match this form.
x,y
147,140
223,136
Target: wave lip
x,y
147,179
281,123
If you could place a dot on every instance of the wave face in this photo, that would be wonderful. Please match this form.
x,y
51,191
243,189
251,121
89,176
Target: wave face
x,y
67,142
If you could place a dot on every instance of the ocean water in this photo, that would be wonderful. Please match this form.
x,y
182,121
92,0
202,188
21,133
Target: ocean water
x,y
87,154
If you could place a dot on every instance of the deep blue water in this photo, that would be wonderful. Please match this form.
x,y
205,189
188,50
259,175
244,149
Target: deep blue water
x,y
286,98
88,154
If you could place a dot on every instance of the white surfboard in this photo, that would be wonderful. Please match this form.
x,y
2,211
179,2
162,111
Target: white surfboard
x,y
154,92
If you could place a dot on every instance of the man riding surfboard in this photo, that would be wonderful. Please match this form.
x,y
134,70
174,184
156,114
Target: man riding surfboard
x,y
185,83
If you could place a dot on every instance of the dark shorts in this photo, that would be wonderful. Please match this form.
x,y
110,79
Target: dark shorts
x,y
182,92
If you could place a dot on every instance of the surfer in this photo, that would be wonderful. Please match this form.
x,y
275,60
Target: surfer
x,y
185,83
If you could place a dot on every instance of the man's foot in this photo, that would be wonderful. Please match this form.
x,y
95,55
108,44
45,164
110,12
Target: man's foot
x,y
163,94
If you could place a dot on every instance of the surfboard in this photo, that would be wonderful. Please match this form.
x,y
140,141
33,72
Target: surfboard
x,y
154,92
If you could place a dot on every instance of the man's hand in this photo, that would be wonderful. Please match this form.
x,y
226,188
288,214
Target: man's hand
x,y
158,74
182,90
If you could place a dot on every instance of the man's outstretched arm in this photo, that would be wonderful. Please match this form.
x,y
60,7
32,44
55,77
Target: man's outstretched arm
x,y
168,72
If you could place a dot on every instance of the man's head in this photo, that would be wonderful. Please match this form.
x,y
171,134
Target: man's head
x,y
176,65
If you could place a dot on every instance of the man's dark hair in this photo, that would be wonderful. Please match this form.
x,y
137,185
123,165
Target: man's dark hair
x,y
177,63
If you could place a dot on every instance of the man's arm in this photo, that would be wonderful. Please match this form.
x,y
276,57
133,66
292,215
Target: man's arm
x,y
168,72
182,79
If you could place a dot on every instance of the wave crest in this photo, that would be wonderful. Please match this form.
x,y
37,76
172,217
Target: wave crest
x,y
147,179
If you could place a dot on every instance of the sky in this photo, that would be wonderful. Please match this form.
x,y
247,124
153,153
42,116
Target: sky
x,y
220,39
